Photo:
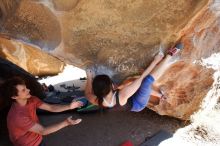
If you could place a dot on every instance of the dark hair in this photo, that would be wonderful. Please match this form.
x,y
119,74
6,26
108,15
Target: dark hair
x,y
8,88
101,86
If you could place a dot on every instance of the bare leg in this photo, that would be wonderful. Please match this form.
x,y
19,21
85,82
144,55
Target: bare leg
x,y
143,94
156,93
161,67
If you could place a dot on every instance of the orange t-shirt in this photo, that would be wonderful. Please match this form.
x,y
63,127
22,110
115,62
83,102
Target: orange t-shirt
x,y
20,119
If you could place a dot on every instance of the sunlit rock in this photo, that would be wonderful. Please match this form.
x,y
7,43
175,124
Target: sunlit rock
x,y
204,129
185,85
122,35
30,58
187,82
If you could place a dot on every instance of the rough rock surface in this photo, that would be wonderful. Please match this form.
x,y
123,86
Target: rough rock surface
x,y
7,8
185,86
125,35
30,58
190,81
32,22
65,5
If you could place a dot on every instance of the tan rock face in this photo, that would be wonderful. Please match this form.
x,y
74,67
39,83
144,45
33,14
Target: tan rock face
x,y
34,23
185,85
123,35
30,58
202,37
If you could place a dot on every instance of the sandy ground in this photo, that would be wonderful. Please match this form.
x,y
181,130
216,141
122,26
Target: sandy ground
x,y
102,129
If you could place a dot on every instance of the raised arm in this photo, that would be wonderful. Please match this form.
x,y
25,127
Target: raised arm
x,y
127,91
88,90
60,108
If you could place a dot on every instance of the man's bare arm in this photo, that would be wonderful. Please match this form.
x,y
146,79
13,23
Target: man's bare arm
x,y
60,108
38,128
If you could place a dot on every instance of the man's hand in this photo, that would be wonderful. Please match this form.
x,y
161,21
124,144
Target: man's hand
x,y
76,104
70,121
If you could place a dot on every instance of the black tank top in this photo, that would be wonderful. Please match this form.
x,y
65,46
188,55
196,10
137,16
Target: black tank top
x,y
118,107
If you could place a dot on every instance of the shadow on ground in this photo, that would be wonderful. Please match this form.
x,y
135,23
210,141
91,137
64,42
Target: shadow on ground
x,y
109,128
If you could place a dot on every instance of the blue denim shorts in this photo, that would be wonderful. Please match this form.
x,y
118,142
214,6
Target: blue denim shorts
x,y
142,95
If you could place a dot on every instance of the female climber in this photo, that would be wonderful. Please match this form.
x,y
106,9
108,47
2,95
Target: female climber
x,y
136,95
